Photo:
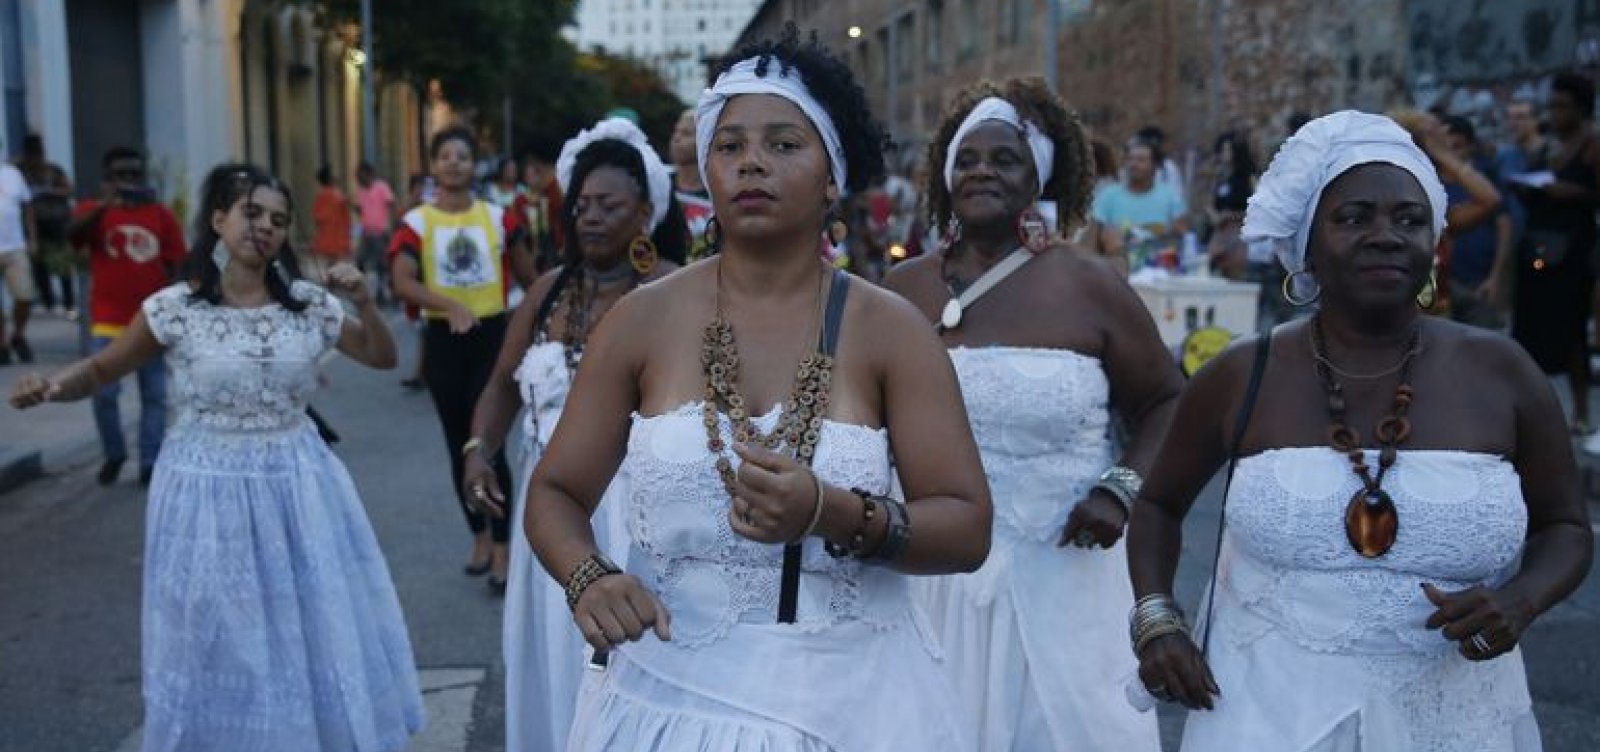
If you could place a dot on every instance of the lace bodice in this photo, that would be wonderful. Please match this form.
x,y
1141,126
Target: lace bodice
x,y
710,578
543,380
1288,565
1041,421
243,369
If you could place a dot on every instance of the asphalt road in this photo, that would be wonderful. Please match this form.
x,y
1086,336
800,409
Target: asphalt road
x,y
69,597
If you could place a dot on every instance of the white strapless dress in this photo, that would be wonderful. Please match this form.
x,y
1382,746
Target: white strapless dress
x,y
855,673
544,652
1037,639
1317,649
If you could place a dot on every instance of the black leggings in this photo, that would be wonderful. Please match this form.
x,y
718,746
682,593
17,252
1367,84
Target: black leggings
x,y
456,367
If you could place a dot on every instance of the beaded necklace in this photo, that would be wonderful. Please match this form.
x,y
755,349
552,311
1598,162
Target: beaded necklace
x,y
578,297
1371,521
799,425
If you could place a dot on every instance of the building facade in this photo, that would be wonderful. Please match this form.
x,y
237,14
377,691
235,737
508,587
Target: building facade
x,y
1195,68
676,38
195,83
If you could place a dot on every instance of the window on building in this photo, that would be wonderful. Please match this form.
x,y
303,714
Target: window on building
x,y
967,34
905,45
933,34
882,43
701,25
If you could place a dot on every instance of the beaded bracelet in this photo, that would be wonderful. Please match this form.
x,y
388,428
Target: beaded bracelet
x,y
585,574
858,539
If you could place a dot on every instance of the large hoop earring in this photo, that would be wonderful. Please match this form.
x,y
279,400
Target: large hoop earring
x,y
952,236
713,234
642,254
1428,296
838,231
1288,290
1031,231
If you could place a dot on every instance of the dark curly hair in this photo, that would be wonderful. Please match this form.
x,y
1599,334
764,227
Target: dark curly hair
x,y
226,185
833,85
671,236
1071,183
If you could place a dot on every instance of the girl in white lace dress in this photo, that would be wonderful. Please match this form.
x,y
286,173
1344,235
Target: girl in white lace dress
x,y
1035,639
617,240
1404,500
752,400
270,622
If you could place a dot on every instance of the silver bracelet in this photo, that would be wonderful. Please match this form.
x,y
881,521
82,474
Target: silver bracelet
x,y
1124,483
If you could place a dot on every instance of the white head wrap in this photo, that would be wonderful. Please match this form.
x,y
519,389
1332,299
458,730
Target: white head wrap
x,y
619,129
742,79
1278,219
997,109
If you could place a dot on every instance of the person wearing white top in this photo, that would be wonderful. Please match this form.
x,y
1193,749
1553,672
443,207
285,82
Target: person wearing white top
x,y
1402,499
17,248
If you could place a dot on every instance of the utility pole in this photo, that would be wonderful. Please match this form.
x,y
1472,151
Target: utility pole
x,y
369,115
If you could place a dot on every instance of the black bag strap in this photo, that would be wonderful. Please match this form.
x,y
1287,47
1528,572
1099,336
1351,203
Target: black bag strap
x,y
548,303
833,318
1241,423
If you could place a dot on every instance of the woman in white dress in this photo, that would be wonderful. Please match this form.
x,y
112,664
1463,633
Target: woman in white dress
x,y
617,240
269,619
1402,505
720,637
1034,638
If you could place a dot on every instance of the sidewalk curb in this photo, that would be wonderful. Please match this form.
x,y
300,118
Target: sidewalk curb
x,y
21,466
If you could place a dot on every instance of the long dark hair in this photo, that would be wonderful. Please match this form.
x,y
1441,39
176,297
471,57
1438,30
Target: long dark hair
x,y
226,185
671,236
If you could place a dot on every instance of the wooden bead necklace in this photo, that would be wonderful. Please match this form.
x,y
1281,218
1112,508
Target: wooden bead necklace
x,y
1371,522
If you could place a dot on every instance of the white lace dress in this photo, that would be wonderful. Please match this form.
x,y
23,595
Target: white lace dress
x,y
1317,649
855,673
1037,639
544,652
270,622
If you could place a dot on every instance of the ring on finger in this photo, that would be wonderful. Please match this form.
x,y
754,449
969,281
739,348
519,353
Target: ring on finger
x,y
1480,644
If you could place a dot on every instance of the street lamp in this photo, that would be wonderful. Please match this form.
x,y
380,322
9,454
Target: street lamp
x,y
854,32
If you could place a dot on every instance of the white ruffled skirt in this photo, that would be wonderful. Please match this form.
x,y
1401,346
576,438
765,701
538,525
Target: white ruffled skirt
x,y
270,622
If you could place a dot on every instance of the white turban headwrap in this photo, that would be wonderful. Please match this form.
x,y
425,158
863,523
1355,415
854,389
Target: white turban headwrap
x,y
620,129
997,109
742,79
1278,218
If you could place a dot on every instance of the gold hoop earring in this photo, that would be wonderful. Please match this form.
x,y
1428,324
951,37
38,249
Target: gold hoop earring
x,y
642,254
713,234
1288,290
838,231
1428,296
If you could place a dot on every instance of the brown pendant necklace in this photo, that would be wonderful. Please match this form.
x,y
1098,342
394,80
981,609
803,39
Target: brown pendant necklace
x,y
799,425
1371,521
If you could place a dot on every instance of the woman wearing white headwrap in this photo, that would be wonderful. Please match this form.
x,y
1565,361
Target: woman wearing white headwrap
x,y
1034,638
1401,506
622,230
765,606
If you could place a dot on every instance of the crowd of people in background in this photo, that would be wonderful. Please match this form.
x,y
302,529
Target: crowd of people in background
x,y
653,519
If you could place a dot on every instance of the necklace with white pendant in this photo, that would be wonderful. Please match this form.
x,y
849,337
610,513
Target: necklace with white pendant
x,y
960,300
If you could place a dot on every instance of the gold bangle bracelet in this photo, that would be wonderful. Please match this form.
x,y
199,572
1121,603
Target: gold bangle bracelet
x,y
816,514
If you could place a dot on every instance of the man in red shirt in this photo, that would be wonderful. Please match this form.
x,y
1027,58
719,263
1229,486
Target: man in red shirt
x,y
135,247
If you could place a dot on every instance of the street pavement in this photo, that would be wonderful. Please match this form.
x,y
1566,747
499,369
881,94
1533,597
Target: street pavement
x,y
70,551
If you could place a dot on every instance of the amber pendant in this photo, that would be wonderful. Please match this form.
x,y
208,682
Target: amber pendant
x,y
1371,522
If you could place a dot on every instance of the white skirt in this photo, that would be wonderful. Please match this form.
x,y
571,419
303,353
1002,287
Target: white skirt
x,y
1036,644
544,652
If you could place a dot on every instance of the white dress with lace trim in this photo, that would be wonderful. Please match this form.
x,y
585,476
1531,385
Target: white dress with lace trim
x,y
544,652
855,673
1036,639
1318,649
269,619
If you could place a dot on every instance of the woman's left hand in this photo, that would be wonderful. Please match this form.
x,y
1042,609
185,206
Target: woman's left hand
x,y
774,496
1096,521
348,282
1487,622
